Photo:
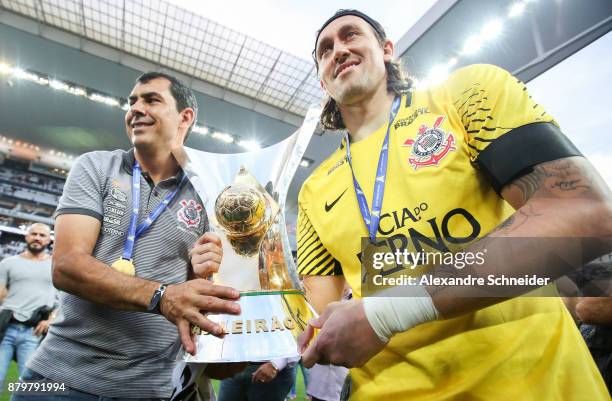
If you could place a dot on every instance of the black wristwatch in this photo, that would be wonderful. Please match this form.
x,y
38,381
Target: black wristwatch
x,y
155,304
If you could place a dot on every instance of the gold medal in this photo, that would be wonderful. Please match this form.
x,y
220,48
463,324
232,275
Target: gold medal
x,y
124,266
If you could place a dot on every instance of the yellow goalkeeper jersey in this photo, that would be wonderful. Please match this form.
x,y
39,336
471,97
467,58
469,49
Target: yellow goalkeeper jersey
x,y
451,150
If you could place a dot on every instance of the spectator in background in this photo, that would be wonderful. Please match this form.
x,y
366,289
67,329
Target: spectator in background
x,y
595,314
27,297
305,375
590,304
260,381
325,382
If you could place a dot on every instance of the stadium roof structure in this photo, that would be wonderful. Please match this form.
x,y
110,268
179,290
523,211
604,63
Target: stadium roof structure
x,y
185,42
526,37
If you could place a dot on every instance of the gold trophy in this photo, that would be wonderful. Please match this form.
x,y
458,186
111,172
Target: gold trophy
x,y
257,259
243,213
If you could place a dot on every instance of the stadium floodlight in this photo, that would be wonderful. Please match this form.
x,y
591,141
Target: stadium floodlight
x,y
472,45
104,99
75,90
516,9
223,137
89,93
492,29
59,85
437,74
200,129
250,144
65,87
421,83
29,76
452,62
5,69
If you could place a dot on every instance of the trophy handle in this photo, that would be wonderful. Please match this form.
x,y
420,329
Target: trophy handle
x,y
280,185
294,153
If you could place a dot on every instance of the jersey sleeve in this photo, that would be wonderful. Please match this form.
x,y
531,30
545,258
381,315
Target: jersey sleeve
x,y
83,191
508,132
313,258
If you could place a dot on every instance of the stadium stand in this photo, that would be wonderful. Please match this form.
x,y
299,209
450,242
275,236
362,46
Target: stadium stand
x,y
28,194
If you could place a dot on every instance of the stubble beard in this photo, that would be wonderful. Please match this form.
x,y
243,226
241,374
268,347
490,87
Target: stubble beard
x,y
358,88
352,92
35,251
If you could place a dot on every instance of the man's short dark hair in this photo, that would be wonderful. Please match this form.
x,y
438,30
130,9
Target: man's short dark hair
x,y
396,82
182,94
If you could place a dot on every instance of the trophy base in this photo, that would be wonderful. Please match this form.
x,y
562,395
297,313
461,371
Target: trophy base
x,y
266,329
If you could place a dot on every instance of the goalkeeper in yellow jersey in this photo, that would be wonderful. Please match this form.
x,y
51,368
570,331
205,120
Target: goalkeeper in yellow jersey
x,y
468,163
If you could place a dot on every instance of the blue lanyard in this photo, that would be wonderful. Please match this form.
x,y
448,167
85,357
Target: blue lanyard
x,y
371,219
133,231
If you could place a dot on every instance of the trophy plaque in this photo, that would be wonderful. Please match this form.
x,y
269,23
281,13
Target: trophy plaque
x,y
244,196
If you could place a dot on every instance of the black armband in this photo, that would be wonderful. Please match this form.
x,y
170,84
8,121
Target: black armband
x,y
514,154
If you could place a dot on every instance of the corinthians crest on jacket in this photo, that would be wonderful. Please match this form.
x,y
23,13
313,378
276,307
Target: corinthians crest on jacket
x,y
430,145
189,214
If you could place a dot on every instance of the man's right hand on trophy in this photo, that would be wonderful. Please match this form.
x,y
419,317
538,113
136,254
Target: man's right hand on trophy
x,y
189,302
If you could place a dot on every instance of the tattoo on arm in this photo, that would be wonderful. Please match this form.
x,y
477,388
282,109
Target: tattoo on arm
x,y
528,184
558,178
547,193
516,220
506,223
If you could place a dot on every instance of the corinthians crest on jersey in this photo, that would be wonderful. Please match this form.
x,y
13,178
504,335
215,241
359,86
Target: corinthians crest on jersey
x,y
189,214
430,145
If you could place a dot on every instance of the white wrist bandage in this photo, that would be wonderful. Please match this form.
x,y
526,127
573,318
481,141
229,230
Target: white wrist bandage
x,y
390,315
